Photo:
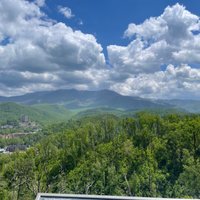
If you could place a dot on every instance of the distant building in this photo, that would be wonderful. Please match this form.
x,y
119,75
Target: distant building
x,y
24,118
13,148
12,122
7,126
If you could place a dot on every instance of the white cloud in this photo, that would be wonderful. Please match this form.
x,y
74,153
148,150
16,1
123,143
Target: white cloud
x,y
40,3
175,21
67,12
174,82
36,52
172,40
159,41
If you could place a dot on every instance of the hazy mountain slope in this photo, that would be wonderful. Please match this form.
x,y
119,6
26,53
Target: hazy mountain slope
x,y
60,100
73,99
188,105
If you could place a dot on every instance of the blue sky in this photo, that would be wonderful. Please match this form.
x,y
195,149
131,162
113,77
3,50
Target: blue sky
x,y
146,48
107,19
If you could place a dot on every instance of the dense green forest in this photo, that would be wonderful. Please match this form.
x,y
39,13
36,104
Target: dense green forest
x,y
145,155
43,114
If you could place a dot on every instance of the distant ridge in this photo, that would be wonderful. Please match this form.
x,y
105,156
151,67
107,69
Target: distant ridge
x,y
73,99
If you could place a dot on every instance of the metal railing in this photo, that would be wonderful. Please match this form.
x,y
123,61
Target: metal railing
x,y
44,196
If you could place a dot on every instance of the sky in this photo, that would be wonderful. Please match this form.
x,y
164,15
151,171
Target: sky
x,y
146,48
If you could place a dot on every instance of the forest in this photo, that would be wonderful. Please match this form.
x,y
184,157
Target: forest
x,y
146,155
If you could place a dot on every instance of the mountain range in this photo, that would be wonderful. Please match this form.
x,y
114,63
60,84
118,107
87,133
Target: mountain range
x,y
64,104
73,99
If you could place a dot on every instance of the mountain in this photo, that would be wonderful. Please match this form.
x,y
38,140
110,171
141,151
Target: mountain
x,y
75,99
61,105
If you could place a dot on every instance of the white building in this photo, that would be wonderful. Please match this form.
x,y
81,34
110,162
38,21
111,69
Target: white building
x,y
2,150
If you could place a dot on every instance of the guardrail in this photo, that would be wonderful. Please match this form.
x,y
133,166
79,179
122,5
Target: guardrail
x,y
44,196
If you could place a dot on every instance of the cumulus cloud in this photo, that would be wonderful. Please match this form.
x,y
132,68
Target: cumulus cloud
x,y
173,37
176,21
172,41
175,82
67,12
40,3
36,52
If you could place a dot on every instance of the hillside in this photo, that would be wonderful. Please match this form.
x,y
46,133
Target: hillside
x,y
40,113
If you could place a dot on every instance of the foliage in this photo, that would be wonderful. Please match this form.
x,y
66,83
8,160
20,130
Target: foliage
x,y
43,114
146,155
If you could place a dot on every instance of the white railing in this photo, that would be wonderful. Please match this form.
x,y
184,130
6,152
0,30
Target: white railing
x,y
43,196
